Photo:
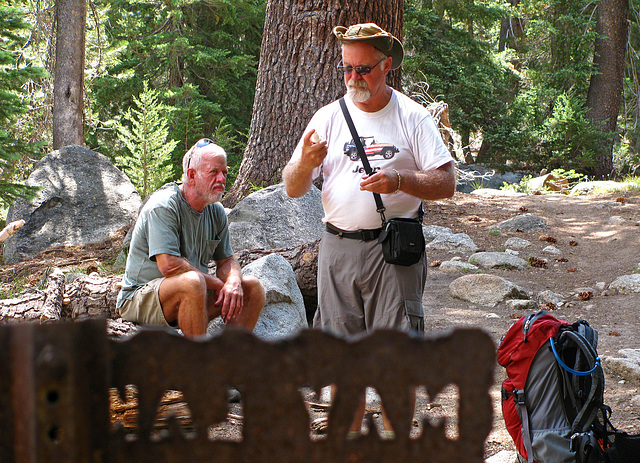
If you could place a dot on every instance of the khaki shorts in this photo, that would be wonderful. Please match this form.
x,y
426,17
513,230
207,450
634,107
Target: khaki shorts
x,y
144,307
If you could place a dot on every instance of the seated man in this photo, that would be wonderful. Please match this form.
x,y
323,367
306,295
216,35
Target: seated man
x,y
180,229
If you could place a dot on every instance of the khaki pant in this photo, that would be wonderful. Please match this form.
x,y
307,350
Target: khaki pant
x,y
358,291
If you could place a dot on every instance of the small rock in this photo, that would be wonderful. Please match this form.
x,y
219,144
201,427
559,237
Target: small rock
x,y
552,250
522,304
549,296
453,266
627,366
626,284
485,290
616,220
525,222
517,243
497,260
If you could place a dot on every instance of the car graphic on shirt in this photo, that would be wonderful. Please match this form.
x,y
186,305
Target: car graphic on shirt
x,y
371,148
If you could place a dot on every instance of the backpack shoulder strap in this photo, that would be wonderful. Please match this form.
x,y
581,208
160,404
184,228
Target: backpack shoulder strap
x,y
580,410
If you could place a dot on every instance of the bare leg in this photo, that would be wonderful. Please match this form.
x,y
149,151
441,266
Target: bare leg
x,y
183,298
357,421
253,302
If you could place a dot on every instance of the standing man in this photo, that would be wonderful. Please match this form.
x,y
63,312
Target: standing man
x,y
180,229
357,290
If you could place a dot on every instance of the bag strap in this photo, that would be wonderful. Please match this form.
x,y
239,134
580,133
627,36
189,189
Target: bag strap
x,y
593,398
365,162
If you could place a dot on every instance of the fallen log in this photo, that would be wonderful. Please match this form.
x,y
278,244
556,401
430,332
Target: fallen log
x,y
92,296
39,306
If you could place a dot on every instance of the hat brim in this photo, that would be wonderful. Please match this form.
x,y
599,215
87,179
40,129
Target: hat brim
x,y
385,42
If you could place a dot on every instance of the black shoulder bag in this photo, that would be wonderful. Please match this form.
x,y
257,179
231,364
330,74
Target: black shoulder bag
x,y
401,238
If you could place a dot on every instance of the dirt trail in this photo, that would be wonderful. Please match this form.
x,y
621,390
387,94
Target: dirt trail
x,y
599,237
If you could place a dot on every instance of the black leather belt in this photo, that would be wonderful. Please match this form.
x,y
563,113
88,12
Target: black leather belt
x,y
362,235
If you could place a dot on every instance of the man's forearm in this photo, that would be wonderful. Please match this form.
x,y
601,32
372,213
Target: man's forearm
x,y
430,185
297,179
170,266
229,269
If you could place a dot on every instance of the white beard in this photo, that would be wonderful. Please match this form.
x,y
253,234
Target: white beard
x,y
357,92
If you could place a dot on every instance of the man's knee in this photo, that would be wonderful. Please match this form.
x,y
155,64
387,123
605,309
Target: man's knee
x,y
192,281
253,290
188,284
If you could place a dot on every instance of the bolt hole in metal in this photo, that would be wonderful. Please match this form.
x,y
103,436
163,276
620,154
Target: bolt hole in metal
x,y
54,434
53,396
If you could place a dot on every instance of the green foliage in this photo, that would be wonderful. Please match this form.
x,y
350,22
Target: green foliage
x,y
558,49
13,75
629,149
148,163
233,143
562,138
458,67
528,102
570,137
203,56
626,160
522,187
545,125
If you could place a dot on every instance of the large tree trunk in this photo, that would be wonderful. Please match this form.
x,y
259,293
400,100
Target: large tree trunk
x,y
605,89
68,80
297,75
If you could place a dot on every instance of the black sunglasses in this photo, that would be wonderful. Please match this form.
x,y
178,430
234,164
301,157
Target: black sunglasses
x,y
360,70
199,144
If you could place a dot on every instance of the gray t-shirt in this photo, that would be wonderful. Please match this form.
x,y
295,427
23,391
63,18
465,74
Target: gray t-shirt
x,y
168,225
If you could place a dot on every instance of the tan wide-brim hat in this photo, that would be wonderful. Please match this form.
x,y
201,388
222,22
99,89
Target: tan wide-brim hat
x,y
376,36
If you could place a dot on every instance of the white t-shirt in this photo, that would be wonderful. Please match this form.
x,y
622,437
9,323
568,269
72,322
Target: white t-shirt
x,y
402,135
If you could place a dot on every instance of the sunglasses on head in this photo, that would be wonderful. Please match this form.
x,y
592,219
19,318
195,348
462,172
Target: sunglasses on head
x,y
199,144
203,142
360,70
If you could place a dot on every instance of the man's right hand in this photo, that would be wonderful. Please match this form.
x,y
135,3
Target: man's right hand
x,y
298,172
313,152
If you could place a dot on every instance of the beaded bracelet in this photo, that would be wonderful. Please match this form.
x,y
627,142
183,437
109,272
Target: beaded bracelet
x,y
399,181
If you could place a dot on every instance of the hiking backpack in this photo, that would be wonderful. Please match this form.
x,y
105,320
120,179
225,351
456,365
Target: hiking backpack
x,y
553,396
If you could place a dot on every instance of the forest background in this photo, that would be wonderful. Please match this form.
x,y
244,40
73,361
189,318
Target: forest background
x,y
528,82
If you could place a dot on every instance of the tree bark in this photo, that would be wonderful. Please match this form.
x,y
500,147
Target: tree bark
x,y
68,80
605,89
511,30
92,296
297,75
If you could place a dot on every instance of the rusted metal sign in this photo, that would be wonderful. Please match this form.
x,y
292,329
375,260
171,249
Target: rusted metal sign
x,y
55,382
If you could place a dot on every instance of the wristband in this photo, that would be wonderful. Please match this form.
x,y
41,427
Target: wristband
x,y
399,181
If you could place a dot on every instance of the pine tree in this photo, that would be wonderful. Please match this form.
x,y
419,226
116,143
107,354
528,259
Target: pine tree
x,y
202,55
12,77
148,164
